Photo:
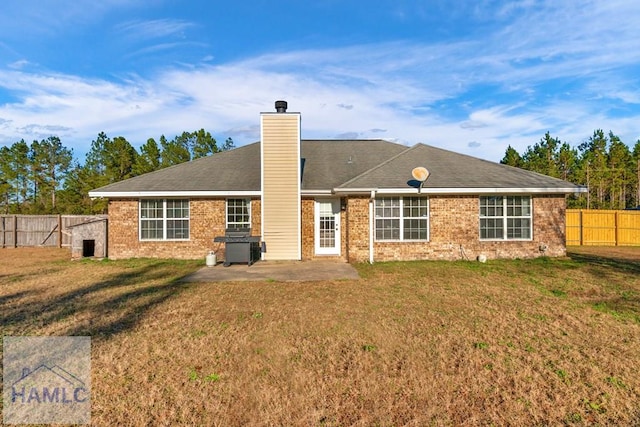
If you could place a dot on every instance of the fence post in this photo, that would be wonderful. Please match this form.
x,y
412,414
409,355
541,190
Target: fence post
x,y
15,231
615,223
581,228
59,231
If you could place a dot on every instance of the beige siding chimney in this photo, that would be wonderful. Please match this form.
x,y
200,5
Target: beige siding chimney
x,y
280,162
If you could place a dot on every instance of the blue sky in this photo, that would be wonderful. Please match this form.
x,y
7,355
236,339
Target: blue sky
x,y
470,76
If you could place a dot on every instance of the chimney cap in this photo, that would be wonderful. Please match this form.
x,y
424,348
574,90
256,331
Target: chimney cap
x,y
281,106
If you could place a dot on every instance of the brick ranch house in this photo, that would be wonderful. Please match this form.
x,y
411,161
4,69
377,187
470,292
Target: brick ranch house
x,y
350,199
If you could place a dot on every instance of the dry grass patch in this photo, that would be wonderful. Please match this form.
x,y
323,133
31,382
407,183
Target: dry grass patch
x,y
536,342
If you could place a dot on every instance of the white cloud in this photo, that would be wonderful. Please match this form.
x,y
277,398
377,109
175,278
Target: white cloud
x,y
18,65
156,28
473,124
547,70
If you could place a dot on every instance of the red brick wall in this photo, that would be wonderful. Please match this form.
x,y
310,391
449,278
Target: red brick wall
x,y
454,232
208,219
357,215
256,215
308,228
344,232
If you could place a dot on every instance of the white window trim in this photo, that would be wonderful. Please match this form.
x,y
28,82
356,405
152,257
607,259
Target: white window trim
x,y
164,221
504,218
401,219
226,212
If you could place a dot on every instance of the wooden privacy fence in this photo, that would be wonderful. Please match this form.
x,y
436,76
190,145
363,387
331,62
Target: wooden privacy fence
x,y
603,227
38,230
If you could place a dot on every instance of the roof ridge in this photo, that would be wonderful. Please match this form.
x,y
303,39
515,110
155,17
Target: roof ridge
x,y
378,165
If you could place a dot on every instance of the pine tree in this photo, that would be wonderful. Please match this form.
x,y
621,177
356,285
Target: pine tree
x,y
204,144
149,159
228,145
175,151
636,176
118,158
512,157
6,189
542,156
619,161
594,168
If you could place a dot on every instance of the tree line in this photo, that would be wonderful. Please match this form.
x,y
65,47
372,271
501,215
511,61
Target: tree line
x,y
603,163
44,178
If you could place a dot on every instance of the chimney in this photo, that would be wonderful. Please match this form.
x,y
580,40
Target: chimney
x,y
281,106
280,176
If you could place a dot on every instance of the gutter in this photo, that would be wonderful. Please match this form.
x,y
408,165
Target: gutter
x,y
465,191
346,191
200,193
310,193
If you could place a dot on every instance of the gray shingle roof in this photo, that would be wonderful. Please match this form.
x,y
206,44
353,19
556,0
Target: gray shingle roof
x,y
329,163
341,165
450,170
233,170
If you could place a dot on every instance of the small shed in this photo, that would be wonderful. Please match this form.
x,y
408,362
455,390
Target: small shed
x,y
89,239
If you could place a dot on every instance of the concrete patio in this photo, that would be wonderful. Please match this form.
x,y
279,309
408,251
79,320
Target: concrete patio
x,y
280,271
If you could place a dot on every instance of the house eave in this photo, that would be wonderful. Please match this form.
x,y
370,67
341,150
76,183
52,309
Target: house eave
x,y
502,190
316,193
465,191
345,191
142,194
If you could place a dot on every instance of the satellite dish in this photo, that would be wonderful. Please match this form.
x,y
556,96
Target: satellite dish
x,y
420,174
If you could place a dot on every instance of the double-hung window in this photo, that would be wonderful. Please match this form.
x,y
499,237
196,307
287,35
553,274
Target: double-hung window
x,y
238,213
402,218
505,218
164,219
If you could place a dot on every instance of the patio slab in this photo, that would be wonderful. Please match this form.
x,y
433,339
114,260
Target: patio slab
x,y
280,271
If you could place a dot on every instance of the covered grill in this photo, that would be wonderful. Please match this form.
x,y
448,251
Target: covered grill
x,y
239,246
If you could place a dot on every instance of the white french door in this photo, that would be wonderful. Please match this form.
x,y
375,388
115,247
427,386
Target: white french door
x,y
327,227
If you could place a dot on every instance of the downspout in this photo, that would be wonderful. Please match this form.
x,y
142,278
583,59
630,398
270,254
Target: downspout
x,y
346,222
371,225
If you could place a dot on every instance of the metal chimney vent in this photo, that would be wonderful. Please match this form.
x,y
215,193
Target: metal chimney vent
x,y
281,106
